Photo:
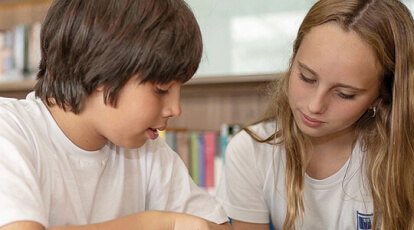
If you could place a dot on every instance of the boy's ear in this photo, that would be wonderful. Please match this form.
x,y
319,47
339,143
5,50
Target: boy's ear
x,y
100,88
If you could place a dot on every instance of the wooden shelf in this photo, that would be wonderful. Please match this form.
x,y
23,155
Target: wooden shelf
x,y
15,12
20,2
25,85
28,85
231,79
16,89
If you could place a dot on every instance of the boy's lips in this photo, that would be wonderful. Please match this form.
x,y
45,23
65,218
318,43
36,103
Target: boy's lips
x,y
161,128
153,133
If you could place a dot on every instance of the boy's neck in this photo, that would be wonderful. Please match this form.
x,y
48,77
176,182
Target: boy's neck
x,y
77,128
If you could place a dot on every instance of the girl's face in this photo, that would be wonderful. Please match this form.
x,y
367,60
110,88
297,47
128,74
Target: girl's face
x,y
334,80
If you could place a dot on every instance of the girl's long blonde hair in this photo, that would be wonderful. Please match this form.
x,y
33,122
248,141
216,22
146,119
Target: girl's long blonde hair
x,y
387,139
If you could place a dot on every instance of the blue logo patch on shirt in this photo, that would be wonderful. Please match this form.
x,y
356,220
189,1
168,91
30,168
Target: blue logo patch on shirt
x,y
364,221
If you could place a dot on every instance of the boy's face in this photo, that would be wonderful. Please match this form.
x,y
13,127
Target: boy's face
x,y
141,109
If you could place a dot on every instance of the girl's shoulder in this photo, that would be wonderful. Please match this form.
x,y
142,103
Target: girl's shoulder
x,y
247,143
251,134
263,129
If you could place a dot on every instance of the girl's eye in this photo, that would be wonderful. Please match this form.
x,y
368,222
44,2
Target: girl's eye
x,y
305,79
161,91
346,96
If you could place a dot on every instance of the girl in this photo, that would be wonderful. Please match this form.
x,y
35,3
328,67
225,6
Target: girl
x,y
335,149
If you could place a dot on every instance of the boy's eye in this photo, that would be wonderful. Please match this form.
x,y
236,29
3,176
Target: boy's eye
x,y
305,79
161,91
346,96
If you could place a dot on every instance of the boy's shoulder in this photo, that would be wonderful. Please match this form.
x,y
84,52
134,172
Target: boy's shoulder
x,y
12,105
22,114
7,103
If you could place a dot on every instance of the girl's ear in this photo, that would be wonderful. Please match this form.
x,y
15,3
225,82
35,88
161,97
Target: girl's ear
x,y
376,102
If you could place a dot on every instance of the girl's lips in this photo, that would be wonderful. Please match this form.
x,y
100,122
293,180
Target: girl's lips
x,y
310,122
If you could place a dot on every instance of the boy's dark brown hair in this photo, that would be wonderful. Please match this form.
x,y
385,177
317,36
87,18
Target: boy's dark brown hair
x,y
89,43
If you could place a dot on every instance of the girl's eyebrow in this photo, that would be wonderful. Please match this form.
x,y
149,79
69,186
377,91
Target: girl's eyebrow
x,y
302,65
349,87
308,69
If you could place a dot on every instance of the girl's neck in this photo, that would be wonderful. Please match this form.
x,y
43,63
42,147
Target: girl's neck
x,y
345,136
329,154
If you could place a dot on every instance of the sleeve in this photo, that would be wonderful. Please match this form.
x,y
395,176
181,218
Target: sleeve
x,y
241,188
20,197
172,189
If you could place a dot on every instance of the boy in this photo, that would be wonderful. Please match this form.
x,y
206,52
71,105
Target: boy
x,y
76,153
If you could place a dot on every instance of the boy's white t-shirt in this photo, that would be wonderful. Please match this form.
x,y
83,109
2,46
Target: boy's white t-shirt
x,y
252,187
47,179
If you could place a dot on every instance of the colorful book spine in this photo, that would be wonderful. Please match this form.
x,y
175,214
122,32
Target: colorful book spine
x,y
34,48
210,155
194,171
201,162
183,147
202,152
170,138
161,134
224,133
20,48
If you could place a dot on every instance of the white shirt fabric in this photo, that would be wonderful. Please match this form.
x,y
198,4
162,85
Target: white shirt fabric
x,y
252,188
47,179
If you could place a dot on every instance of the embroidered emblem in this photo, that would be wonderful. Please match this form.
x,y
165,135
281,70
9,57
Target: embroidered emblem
x,y
364,221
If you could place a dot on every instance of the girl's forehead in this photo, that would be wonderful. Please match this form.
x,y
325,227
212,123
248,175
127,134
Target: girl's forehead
x,y
332,52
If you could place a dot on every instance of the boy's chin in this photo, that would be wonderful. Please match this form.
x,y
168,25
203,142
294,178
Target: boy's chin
x,y
131,144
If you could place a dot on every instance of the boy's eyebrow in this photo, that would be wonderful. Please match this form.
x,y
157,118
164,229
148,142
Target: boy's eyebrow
x,y
334,85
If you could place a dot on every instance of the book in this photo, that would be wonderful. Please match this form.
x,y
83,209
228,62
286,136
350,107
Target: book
x,y
34,53
161,134
194,149
8,54
170,138
2,54
183,147
201,162
20,49
210,155
224,133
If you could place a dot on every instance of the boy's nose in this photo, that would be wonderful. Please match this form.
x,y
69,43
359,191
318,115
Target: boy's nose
x,y
176,110
173,109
